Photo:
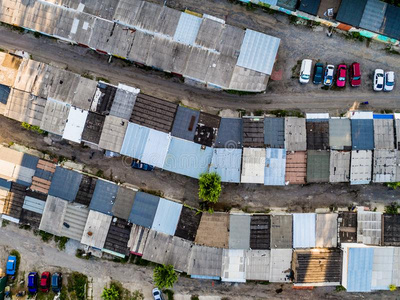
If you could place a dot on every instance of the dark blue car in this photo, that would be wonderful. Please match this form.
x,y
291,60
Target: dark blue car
x,y
33,282
56,282
136,164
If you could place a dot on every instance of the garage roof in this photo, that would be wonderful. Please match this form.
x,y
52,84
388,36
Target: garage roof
x,y
62,177
304,230
75,124
275,167
253,166
373,15
144,209
340,133
230,133
351,11
185,123
205,262
274,132
233,266
258,264
392,22
281,231
167,216
309,6
359,270
239,231
317,166
104,196
226,163
96,229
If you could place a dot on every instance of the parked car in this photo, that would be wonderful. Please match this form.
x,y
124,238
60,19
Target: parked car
x,y
328,78
157,295
318,73
341,76
305,71
378,80
45,282
56,282
136,164
389,81
33,282
11,265
355,74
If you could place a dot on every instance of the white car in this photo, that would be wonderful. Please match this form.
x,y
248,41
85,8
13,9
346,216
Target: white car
x,y
378,80
157,295
328,78
389,81
305,71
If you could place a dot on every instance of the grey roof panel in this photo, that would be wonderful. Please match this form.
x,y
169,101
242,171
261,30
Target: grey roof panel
x,y
289,4
185,123
274,132
104,196
309,6
281,231
340,134
65,184
123,203
144,209
351,11
230,133
373,15
317,134
392,22
317,166
239,232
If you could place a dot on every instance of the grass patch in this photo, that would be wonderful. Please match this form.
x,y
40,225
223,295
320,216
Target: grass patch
x,y
293,19
386,111
16,253
88,76
240,93
392,209
356,36
46,237
62,159
33,128
340,288
250,6
37,34
194,297
4,223
169,293
79,254
139,261
153,192
259,112
121,260
125,294
296,70
393,185
100,173
61,241
77,284
25,227
102,79
286,113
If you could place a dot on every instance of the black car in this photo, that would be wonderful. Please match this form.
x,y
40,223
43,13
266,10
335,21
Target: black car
x,y
56,282
318,73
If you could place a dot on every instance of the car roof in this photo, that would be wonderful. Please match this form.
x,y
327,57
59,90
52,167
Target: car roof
x,y
390,75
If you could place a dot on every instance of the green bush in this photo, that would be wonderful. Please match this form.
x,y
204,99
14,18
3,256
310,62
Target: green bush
x,y
61,241
165,276
77,283
209,187
46,237
33,128
392,287
392,208
340,288
110,293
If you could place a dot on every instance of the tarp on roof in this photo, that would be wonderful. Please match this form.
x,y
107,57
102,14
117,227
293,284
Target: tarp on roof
x,y
239,231
233,266
187,158
144,209
392,22
230,133
135,140
309,6
167,216
104,196
63,178
75,124
226,163
351,11
359,270
274,132
373,15
304,230
185,123
258,52
275,167
362,134
156,148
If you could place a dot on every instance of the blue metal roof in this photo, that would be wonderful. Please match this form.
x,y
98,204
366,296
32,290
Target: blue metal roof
x,y
29,161
103,197
187,29
274,132
304,230
144,209
156,148
310,6
275,167
187,158
226,163
359,269
167,216
33,204
351,11
65,184
362,134
182,121
383,116
373,15
230,133
4,93
392,22
4,184
47,175
258,52
135,140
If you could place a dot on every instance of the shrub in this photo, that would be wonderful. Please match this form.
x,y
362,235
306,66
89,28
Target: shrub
x,y
392,208
77,285
210,187
110,293
392,287
165,276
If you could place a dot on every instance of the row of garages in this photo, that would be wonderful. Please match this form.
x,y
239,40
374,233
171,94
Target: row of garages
x,y
264,150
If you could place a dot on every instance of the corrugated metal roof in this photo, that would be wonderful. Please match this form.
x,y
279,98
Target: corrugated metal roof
x,y
351,11
384,168
53,215
326,228
281,231
167,216
260,237
75,124
124,101
33,204
384,133
29,161
226,163
123,202
61,178
75,216
392,22
304,230
347,227
362,115
205,262
359,270
396,266
187,158
96,229
188,224
185,119
5,184
230,133
309,6
361,167
135,140
253,166
339,169
258,52
369,227
373,15
117,238
317,134
382,268
391,230
280,265
362,134
233,266
275,167
239,231
188,28
144,209
156,148
104,196
258,264
274,132
318,166
137,239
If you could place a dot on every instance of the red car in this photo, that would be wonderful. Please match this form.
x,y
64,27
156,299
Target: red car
x,y
355,74
341,75
45,281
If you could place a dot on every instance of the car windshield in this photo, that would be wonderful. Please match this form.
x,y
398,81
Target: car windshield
x,y
356,78
379,75
156,293
379,86
304,76
388,83
342,78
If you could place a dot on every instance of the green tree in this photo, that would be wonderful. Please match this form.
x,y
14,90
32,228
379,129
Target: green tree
x,y
110,293
210,187
165,276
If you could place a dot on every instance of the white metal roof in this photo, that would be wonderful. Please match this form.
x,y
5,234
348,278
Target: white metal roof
x,y
258,264
369,227
382,268
187,29
280,265
326,231
156,148
253,166
361,167
317,116
96,229
233,266
361,115
75,124
53,215
304,230
167,216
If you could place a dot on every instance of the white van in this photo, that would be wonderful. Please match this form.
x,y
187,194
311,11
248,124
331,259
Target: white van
x,y
305,71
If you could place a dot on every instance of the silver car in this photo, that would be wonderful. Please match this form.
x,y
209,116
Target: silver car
x,y
389,81
328,78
